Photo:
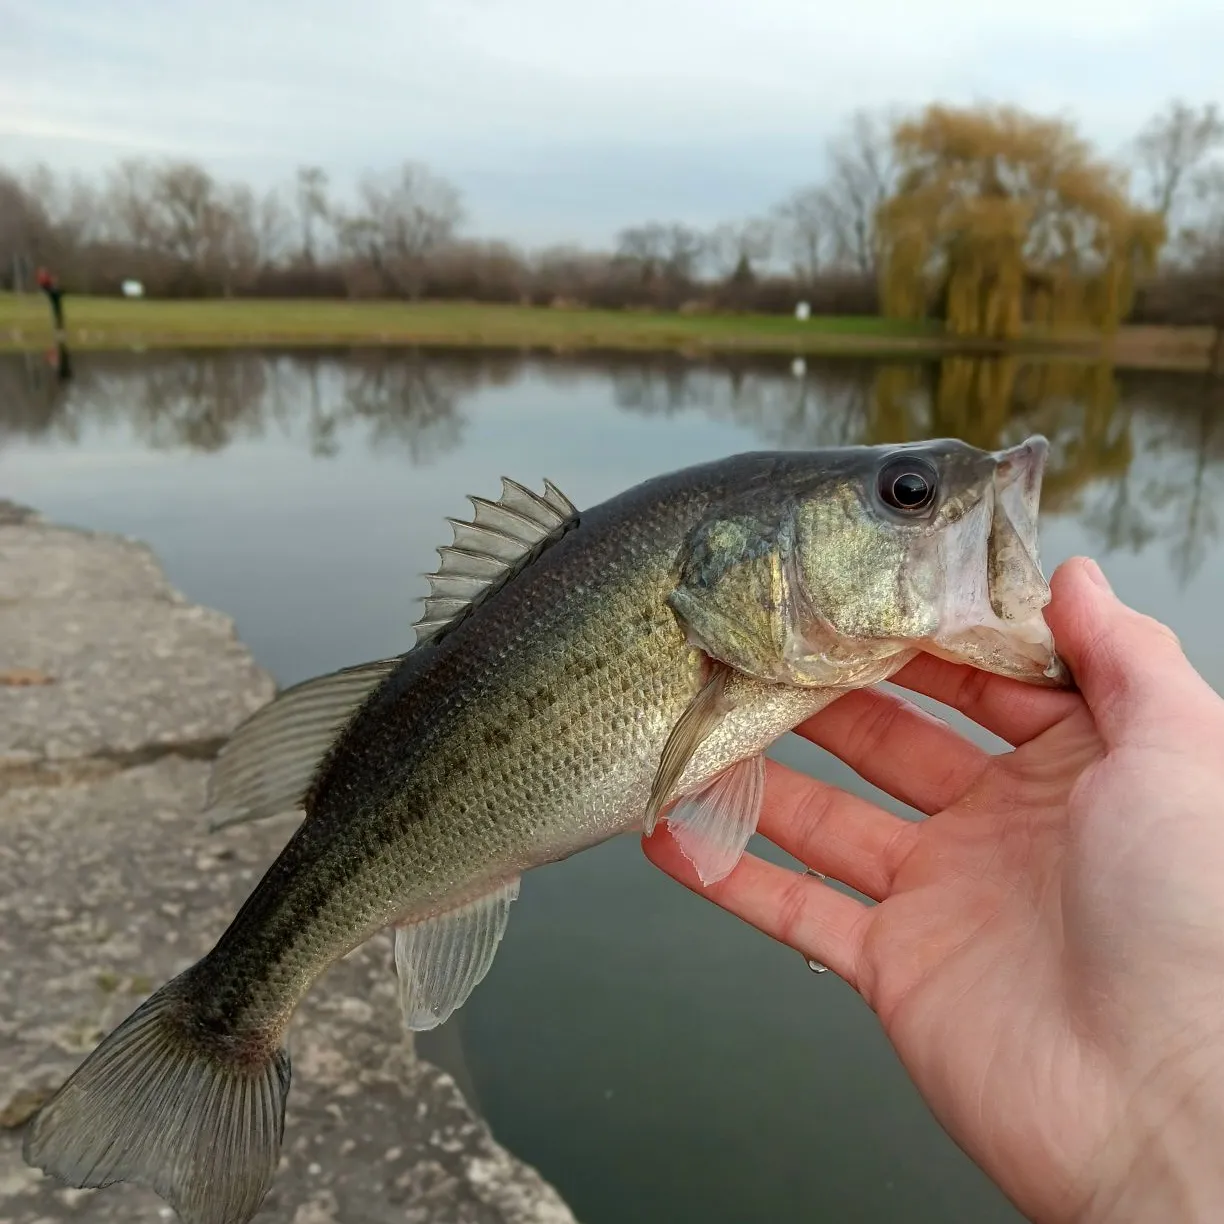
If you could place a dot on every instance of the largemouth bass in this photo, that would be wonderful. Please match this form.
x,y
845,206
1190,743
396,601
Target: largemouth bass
x,y
577,675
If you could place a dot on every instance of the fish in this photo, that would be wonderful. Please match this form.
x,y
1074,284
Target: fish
x,y
576,675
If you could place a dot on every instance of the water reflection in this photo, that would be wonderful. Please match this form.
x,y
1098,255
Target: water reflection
x,y
207,402
1136,458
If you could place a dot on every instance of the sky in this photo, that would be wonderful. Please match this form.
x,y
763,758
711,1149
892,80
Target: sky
x,y
564,120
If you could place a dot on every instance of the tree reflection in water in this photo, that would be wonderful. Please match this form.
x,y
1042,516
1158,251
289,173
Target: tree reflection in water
x,y
1137,458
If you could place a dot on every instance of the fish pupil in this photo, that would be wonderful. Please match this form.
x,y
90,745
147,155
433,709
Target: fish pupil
x,y
907,487
910,489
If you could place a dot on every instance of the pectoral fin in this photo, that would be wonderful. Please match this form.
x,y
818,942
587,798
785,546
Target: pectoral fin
x,y
712,825
268,763
703,714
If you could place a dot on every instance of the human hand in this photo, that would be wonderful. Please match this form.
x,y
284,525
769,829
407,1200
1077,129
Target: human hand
x,y
1047,951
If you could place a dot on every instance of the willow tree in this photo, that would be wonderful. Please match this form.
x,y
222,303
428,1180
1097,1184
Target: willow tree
x,y
1000,218
994,402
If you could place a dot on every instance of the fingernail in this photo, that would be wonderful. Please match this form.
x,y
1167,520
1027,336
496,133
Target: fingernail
x,y
1094,572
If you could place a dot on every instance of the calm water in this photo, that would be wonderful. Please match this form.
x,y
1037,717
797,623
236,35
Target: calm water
x,y
655,1058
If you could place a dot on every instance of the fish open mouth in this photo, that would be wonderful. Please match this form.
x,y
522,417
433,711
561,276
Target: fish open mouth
x,y
994,620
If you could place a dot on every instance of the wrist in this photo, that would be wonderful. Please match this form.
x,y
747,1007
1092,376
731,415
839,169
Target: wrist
x,y
1170,1166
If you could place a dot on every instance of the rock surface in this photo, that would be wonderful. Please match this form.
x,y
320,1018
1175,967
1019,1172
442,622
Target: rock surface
x,y
135,669
111,689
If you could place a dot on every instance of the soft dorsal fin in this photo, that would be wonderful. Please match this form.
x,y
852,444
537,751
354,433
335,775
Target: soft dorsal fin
x,y
502,538
267,765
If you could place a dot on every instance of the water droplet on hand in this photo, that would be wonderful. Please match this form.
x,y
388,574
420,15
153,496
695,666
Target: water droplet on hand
x,y
816,967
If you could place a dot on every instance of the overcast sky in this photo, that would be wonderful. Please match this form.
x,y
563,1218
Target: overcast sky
x,y
566,119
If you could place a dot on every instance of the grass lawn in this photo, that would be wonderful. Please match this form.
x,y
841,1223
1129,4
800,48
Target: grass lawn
x,y
96,322
107,322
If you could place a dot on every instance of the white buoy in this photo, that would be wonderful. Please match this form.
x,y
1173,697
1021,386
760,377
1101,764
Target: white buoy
x,y
803,311
133,289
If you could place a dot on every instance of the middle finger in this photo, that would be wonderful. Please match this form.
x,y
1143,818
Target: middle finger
x,y
889,742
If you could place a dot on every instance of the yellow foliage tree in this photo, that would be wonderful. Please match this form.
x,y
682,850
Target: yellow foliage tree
x,y
1000,218
997,401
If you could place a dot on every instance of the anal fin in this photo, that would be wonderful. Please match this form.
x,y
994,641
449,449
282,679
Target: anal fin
x,y
714,825
442,959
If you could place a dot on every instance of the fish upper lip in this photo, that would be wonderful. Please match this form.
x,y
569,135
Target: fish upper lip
x,y
1025,461
1019,471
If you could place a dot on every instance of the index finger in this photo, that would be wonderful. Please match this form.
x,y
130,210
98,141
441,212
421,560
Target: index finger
x,y
1131,668
1012,710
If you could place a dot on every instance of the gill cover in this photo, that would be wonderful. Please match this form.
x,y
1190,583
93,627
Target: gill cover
x,y
743,599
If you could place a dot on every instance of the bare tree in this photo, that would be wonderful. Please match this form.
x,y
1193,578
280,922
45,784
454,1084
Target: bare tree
x,y
234,253
862,173
738,246
406,216
312,206
644,247
1178,176
76,211
189,217
1173,147
128,201
683,248
24,231
802,230
663,259
274,224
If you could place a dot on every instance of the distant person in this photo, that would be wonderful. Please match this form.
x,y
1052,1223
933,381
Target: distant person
x,y
55,295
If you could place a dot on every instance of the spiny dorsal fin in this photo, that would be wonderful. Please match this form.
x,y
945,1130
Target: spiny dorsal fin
x,y
502,539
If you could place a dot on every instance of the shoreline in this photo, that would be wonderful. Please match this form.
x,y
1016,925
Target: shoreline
x,y
115,692
116,324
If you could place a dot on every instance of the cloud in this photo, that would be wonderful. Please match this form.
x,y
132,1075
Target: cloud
x,y
557,116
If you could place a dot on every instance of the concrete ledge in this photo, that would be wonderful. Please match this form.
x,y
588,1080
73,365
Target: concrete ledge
x,y
110,883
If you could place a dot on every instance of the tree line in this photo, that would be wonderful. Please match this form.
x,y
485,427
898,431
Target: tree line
x,y
986,217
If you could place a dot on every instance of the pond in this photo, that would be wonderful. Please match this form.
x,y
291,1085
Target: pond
x,y
653,1057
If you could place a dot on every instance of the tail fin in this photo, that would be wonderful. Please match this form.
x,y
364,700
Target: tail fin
x,y
198,1124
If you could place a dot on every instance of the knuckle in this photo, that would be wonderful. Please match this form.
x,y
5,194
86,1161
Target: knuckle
x,y
871,727
971,689
792,910
811,819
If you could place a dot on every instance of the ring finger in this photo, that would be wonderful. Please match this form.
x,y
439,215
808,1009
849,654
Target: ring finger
x,y
834,832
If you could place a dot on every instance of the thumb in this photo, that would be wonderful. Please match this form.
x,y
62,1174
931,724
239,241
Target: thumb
x,y
1129,667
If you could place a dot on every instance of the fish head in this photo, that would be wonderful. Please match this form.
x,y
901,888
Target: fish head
x,y
846,563
931,546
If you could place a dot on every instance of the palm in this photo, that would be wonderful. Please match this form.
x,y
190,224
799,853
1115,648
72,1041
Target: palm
x,y
963,957
990,860
965,963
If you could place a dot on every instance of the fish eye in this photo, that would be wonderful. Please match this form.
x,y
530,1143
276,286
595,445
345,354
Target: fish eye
x,y
908,485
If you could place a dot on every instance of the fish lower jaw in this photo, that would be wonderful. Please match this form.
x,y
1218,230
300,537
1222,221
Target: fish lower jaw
x,y
1022,649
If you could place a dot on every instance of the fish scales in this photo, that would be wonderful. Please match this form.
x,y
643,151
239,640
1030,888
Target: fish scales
x,y
542,706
